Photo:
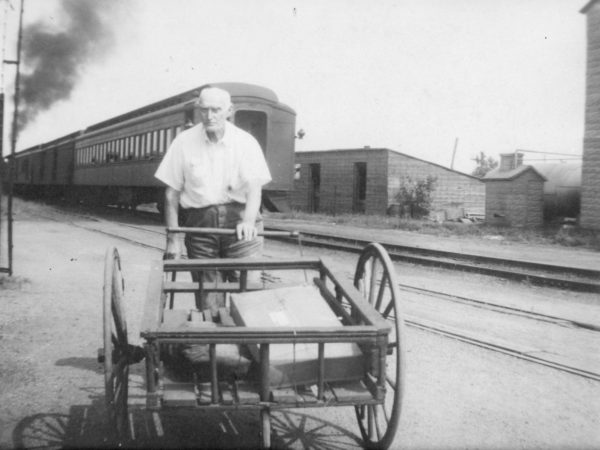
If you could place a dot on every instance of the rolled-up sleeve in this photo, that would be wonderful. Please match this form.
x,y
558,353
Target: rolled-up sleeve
x,y
254,169
170,171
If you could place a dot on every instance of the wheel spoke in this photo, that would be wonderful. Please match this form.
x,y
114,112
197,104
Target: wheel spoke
x,y
387,310
382,288
377,429
391,382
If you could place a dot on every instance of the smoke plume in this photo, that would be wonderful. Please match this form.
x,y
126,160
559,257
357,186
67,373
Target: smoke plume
x,y
53,59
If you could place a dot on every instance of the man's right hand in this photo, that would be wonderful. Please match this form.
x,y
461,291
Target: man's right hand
x,y
173,250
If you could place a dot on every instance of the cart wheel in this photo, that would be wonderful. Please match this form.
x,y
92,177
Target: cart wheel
x,y
116,347
265,422
375,278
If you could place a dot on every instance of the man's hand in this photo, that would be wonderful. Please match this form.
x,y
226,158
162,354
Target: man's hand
x,y
246,231
173,250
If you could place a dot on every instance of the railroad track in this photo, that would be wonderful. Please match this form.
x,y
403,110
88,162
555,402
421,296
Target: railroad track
x,y
577,279
489,343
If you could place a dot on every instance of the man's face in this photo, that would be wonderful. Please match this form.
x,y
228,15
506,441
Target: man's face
x,y
215,108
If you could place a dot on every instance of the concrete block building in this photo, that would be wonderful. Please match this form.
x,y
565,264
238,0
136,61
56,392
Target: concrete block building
x,y
590,176
366,180
514,193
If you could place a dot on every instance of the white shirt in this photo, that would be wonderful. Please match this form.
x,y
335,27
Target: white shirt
x,y
210,173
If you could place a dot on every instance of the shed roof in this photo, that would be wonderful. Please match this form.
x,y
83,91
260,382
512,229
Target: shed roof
x,y
385,149
497,175
588,5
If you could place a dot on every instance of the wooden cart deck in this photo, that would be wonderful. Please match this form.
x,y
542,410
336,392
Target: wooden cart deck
x,y
368,318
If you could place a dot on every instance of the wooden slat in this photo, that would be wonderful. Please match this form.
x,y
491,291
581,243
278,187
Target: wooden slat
x,y
154,299
204,393
226,393
350,391
284,395
225,318
174,318
220,286
366,311
246,393
179,394
241,264
274,335
334,304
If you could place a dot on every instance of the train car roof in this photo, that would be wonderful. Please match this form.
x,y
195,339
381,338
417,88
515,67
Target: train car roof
x,y
45,145
236,90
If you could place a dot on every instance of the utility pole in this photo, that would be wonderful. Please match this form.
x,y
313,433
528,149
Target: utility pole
x,y
454,153
14,131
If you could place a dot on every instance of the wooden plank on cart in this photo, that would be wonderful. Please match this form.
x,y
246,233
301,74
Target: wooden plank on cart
x,y
179,394
226,393
350,391
225,318
284,395
173,318
204,393
154,299
297,308
246,393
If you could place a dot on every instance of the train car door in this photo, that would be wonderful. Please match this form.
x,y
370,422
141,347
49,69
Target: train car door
x,y
255,123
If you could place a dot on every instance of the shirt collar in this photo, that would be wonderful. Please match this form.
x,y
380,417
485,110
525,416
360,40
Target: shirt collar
x,y
226,136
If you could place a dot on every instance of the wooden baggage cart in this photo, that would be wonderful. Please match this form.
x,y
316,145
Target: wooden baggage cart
x,y
367,309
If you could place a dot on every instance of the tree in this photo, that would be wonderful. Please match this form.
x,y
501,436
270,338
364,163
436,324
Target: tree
x,y
484,165
415,196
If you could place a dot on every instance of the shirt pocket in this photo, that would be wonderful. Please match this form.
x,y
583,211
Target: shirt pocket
x,y
199,175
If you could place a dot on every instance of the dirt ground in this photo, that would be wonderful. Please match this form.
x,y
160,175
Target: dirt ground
x,y
52,393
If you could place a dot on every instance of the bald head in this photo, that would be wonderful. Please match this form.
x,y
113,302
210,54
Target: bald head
x,y
215,95
215,108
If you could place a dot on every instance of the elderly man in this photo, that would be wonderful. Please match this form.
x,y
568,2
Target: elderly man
x,y
214,172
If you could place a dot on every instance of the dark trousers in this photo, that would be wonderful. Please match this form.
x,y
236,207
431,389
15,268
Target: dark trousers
x,y
211,246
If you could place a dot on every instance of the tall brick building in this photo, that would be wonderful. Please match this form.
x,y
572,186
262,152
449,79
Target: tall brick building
x,y
366,180
590,176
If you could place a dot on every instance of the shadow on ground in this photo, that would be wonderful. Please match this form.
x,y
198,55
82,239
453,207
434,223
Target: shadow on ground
x,y
86,426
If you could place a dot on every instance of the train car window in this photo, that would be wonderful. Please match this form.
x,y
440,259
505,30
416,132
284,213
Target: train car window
x,y
136,147
148,144
255,123
122,150
127,144
169,136
161,141
142,145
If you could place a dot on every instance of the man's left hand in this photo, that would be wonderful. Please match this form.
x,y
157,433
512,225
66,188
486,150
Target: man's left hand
x,y
246,231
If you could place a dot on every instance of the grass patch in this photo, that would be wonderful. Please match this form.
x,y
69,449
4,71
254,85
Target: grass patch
x,y
551,234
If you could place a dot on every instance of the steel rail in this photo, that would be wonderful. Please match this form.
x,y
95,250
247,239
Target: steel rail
x,y
498,347
429,326
499,267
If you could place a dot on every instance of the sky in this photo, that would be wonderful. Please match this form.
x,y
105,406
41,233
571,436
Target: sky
x,y
417,76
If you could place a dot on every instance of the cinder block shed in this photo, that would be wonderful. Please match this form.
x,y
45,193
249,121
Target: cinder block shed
x,y
366,180
514,194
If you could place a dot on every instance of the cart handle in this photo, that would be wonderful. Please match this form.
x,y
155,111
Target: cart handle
x,y
229,231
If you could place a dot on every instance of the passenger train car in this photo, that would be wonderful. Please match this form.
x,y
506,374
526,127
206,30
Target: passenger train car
x,y
113,162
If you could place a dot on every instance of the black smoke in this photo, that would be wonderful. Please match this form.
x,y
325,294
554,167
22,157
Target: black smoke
x,y
53,60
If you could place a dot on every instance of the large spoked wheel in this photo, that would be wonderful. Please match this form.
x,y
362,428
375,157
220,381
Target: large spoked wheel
x,y
376,279
116,346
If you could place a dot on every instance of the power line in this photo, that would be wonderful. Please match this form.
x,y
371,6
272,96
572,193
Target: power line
x,y
546,153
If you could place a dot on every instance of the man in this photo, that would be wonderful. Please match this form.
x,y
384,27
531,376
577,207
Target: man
x,y
215,172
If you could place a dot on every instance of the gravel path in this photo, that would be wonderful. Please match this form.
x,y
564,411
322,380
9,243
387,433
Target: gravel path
x,y
51,387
